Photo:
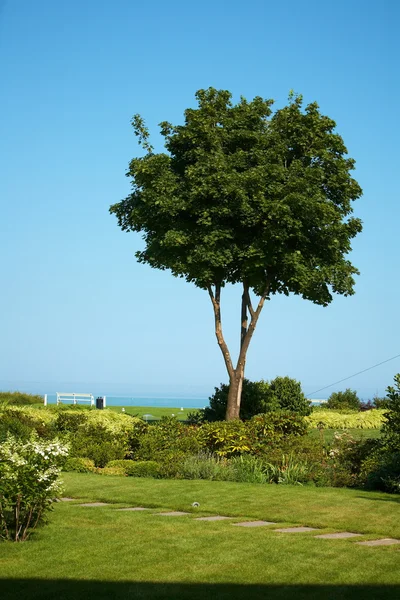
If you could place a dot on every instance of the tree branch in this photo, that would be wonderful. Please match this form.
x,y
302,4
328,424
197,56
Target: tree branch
x,y
249,334
216,302
248,299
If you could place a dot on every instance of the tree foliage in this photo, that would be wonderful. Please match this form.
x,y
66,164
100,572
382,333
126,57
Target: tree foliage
x,y
344,400
391,428
245,196
281,394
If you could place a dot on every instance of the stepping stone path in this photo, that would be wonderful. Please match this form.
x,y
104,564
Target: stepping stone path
x,y
253,523
179,513
382,542
95,504
215,518
337,536
173,513
133,508
296,529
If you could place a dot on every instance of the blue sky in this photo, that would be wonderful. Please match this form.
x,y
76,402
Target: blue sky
x,y
75,308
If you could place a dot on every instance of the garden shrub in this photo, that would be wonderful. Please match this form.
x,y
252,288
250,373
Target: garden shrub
x,y
20,398
391,427
331,419
286,394
246,469
140,468
226,438
281,394
29,484
289,471
22,421
254,400
168,434
204,465
79,465
347,400
98,446
69,421
11,424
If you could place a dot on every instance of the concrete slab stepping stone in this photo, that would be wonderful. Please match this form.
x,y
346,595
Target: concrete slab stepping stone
x,y
67,499
95,504
215,518
173,513
338,536
382,542
253,523
134,508
296,529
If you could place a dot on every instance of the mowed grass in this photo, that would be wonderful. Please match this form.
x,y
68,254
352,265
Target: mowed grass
x,y
156,412
103,553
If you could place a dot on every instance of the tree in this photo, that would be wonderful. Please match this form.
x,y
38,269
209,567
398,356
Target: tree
x,y
245,197
391,428
255,400
344,400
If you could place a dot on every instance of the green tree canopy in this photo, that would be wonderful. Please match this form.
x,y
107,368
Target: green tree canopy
x,y
245,196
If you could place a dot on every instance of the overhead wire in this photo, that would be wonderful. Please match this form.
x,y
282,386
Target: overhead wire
x,y
354,375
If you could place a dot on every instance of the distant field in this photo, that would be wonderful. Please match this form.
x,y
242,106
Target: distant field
x,y
154,412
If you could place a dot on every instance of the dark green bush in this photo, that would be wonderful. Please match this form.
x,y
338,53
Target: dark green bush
x,y
347,400
258,397
391,428
255,400
287,395
69,421
98,446
22,422
165,435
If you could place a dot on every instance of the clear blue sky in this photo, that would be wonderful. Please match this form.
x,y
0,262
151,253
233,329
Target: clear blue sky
x,y
75,308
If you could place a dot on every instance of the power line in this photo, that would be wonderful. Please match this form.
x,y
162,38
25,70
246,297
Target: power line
x,y
354,375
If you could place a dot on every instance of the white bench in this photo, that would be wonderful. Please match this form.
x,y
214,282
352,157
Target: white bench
x,y
76,398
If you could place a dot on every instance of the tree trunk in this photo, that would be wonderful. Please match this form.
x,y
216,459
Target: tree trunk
x,y
234,397
236,375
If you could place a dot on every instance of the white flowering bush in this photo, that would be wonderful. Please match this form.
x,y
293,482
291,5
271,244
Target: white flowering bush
x,y
29,484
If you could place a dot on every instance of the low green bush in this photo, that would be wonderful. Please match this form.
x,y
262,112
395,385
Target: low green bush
x,y
20,398
168,434
204,465
133,468
332,419
79,465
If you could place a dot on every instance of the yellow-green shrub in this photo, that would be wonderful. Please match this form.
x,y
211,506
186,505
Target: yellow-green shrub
x,y
332,419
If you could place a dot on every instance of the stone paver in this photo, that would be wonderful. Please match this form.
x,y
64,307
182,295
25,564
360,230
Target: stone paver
x,y
173,513
382,542
215,518
134,508
295,529
254,523
67,499
338,536
95,504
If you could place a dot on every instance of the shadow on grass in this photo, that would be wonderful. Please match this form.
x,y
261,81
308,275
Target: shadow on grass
x,y
394,498
69,589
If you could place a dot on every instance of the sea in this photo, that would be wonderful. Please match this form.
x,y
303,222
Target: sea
x,y
161,402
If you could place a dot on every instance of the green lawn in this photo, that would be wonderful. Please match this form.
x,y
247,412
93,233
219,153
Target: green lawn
x,y
100,553
156,412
